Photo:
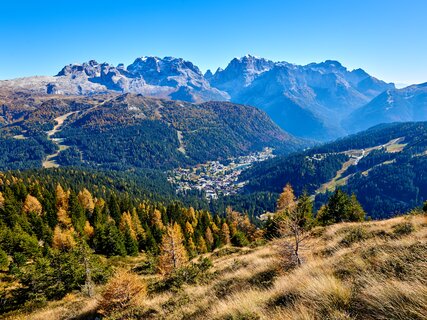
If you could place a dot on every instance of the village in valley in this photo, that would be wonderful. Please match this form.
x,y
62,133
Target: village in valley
x,y
216,178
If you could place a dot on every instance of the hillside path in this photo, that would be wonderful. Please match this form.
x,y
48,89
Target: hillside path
x,y
49,162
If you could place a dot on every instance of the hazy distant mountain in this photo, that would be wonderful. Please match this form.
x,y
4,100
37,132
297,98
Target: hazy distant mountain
x,y
407,104
308,101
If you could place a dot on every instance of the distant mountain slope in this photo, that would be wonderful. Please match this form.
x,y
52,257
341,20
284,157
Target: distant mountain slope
x,y
130,131
384,166
308,101
407,104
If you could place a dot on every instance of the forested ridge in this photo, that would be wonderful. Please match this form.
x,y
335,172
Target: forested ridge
x,y
118,132
389,180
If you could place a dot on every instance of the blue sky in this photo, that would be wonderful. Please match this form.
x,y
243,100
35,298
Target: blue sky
x,y
387,38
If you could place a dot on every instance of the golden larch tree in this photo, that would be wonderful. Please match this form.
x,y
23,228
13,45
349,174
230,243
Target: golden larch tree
x,y
225,234
63,238
214,228
156,219
126,222
1,200
189,230
201,246
100,203
63,218
173,254
63,234
88,230
287,200
31,204
209,238
61,198
192,250
191,216
86,200
137,225
233,219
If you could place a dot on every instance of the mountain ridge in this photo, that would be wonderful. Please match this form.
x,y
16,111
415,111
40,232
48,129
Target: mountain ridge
x,y
125,131
406,104
309,101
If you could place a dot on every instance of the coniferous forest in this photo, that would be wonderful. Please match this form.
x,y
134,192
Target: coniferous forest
x,y
52,234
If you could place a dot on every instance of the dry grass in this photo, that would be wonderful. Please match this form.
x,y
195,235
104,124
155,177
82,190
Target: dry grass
x,y
370,270
73,306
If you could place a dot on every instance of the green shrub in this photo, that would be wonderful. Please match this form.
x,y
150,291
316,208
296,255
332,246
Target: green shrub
x,y
403,228
226,287
225,251
148,266
239,239
264,279
191,274
356,234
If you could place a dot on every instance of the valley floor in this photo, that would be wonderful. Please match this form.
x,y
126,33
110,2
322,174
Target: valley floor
x,y
370,270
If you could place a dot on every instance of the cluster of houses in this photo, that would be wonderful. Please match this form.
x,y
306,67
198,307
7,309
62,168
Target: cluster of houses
x,y
216,178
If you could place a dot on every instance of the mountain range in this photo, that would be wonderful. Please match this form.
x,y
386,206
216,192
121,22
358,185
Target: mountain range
x,y
397,105
320,101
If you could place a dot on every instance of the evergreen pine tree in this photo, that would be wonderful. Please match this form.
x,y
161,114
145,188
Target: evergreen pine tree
x,y
304,210
130,242
356,212
76,212
4,260
201,245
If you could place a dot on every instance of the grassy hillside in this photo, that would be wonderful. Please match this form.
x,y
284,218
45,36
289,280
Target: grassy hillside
x,y
369,270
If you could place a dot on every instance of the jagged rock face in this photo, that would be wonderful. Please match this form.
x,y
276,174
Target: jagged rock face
x,y
166,72
183,77
151,76
239,73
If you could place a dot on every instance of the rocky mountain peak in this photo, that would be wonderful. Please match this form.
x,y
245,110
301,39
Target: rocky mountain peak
x,y
208,75
239,73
